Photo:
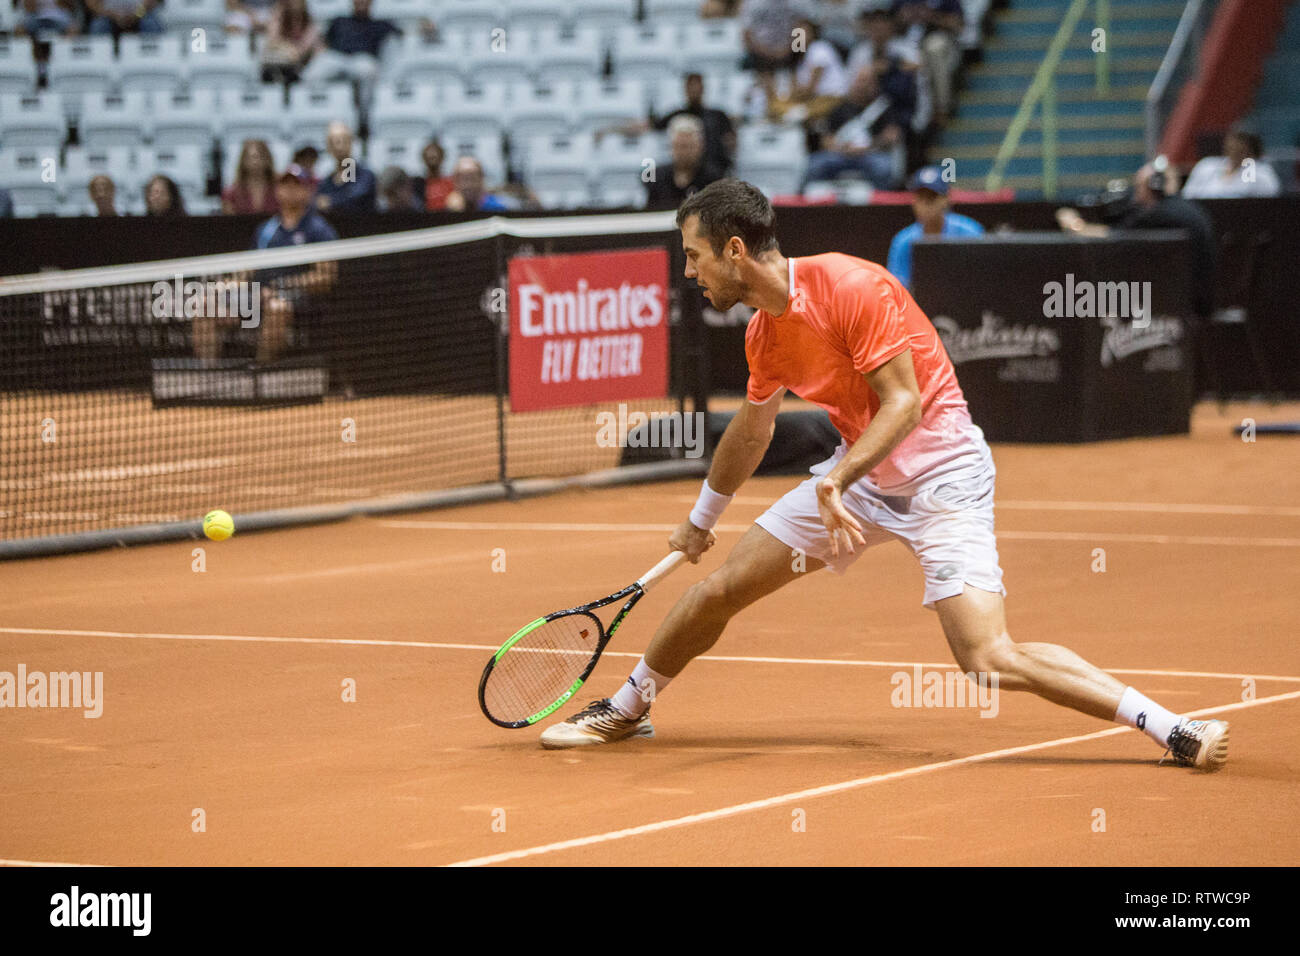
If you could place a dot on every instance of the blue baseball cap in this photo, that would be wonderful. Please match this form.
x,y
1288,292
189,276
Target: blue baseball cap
x,y
928,177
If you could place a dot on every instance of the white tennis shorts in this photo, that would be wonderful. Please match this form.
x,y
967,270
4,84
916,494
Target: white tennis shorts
x,y
947,525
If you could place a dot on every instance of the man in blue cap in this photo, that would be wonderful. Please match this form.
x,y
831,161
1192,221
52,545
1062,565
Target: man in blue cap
x,y
933,218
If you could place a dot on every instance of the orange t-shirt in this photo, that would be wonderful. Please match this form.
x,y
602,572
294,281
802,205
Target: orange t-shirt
x,y
848,316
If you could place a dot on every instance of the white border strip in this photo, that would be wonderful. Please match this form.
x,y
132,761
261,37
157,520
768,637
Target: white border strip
x,y
409,241
815,792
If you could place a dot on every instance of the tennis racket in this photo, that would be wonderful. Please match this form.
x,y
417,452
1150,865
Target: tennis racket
x,y
545,662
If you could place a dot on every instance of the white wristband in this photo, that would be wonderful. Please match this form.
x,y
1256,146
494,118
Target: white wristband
x,y
708,509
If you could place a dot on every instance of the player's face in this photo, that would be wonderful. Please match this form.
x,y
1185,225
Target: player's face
x,y
716,275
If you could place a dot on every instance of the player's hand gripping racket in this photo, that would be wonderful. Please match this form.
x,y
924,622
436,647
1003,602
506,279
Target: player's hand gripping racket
x,y
544,663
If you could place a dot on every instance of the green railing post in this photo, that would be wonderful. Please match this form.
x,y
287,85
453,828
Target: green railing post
x,y
1049,139
1103,58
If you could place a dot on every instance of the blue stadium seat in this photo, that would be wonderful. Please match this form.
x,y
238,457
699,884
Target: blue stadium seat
x,y
609,102
312,110
771,157
253,114
81,64
17,66
507,57
26,172
672,11
114,119
647,50
619,162
151,63
558,170
227,63
183,16
32,119
403,112
474,110
569,55
415,61
712,46
538,111
407,14
82,164
185,118
403,153
533,15
470,16
605,15
486,148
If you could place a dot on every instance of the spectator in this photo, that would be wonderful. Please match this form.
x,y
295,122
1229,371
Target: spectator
x,y
162,198
436,187
123,16
254,187
351,187
103,193
352,48
395,191
719,134
934,26
285,292
40,17
933,218
690,171
877,41
248,16
766,28
307,157
863,134
470,193
1238,173
292,38
820,81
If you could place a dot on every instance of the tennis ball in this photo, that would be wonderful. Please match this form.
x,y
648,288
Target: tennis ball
x,y
218,525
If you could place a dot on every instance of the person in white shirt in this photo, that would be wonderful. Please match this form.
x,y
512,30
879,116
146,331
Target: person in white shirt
x,y
820,80
1237,174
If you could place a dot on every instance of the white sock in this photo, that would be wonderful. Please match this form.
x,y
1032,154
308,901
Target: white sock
x,y
1146,715
638,692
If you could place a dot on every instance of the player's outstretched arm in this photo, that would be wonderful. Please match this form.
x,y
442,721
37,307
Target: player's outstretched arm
x,y
737,457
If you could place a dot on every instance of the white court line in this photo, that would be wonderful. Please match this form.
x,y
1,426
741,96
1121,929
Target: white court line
x,y
814,792
44,863
1091,536
493,648
1154,507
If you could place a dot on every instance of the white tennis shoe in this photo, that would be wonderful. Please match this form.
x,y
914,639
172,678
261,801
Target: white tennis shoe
x,y
1202,744
597,723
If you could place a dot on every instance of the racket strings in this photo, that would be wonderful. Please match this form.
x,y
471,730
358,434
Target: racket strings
x,y
543,664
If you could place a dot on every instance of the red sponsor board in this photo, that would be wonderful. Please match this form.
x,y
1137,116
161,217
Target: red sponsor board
x,y
588,328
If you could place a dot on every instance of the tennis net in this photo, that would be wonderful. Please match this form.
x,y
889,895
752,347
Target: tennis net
x,y
313,382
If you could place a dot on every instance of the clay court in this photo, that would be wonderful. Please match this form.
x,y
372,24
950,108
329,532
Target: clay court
x,y
223,690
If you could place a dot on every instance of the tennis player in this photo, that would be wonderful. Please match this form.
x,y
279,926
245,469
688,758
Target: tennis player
x,y
845,334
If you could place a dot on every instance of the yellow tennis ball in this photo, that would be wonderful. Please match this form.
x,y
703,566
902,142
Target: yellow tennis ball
x,y
218,525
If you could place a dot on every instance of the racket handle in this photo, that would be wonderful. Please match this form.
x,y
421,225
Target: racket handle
x,y
661,570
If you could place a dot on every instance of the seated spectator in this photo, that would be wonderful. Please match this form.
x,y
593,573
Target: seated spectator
x,y
1238,173
933,218
690,171
103,193
285,292
864,134
820,80
254,187
162,198
351,187
307,157
47,17
352,48
878,41
436,187
766,29
396,192
935,26
248,16
719,134
123,16
292,39
470,193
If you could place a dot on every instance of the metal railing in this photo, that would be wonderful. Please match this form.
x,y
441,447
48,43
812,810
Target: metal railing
x,y
1042,92
1181,61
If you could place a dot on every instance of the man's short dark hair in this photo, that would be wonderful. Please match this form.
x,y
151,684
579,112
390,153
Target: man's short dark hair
x,y
731,207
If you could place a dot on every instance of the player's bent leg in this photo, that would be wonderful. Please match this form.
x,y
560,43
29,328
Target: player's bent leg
x,y
974,622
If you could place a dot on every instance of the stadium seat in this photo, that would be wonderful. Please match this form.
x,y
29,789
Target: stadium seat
x,y
81,165
470,16
559,170
535,111
608,102
151,63
81,64
534,15
114,119
487,149
226,64
312,110
185,165
185,15
407,14
403,112
577,54
253,114
474,110
605,15
323,11
618,163
771,157
646,51
32,119
17,66
31,176
508,57
712,46
185,118
414,61
671,11
406,154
